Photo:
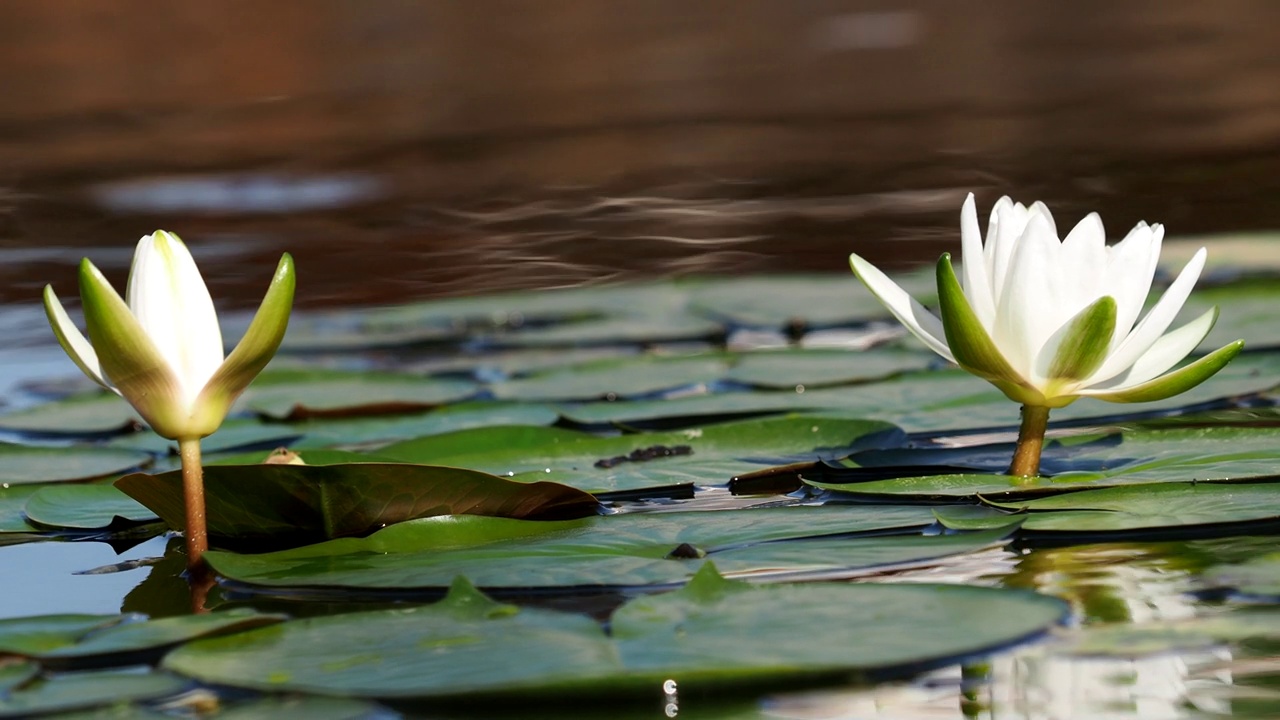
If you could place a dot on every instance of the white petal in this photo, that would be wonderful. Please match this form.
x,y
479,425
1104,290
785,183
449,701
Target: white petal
x,y
977,286
75,343
1084,261
1151,327
1163,354
1131,266
1027,315
172,303
922,323
1039,208
1003,230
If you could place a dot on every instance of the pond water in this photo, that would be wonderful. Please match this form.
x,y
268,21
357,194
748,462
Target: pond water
x,y
356,249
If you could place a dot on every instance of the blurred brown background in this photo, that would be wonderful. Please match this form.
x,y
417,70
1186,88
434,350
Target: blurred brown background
x,y
445,147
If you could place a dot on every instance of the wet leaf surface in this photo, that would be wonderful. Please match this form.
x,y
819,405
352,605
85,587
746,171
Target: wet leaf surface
x,y
84,507
84,690
302,394
293,503
622,550
649,459
23,464
712,633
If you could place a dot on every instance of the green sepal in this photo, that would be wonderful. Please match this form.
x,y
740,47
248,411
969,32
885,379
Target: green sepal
x,y
129,359
969,342
63,329
1178,381
1086,341
253,352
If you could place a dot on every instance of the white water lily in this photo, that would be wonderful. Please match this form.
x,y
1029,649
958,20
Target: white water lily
x,y
1049,321
162,350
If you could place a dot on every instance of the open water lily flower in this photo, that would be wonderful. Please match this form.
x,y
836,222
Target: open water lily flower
x,y
162,350
1048,321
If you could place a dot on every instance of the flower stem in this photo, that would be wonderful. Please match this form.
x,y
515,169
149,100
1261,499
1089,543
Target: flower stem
x,y
1026,457
193,493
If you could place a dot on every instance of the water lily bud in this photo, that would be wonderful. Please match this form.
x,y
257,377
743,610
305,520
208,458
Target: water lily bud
x,y
162,349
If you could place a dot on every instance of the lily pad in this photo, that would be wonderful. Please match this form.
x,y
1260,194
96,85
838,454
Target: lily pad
x,y
1135,510
645,328
36,636
303,706
470,645
153,635
452,418
934,401
85,690
16,671
25,464
291,503
816,368
90,413
234,434
299,394
13,515
628,377
1247,310
646,459
84,507
1135,456
816,300
644,549
542,307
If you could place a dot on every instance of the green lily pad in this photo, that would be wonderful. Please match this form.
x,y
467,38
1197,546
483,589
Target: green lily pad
x,y
13,513
819,300
84,507
1246,310
1135,509
152,635
303,706
1136,456
306,456
291,503
615,378
815,368
638,329
542,307
350,330
85,690
452,418
931,401
302,394
646,459
241,434
25,464
513,362
234,434
15,671
622,550
36,636
469,645
89,413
